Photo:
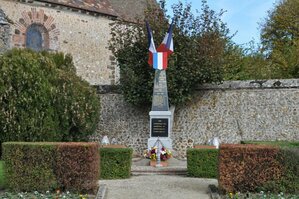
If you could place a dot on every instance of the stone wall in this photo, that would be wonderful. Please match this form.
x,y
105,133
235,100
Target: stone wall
x,y
85,36
4,32
233,111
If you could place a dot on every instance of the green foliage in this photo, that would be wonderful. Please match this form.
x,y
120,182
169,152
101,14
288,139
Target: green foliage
x,y
45,166
280,38
199,43
246,63
29,166
289,159
202,163
289,181
2,180
42,99
289,144
281,26
277,55
115,163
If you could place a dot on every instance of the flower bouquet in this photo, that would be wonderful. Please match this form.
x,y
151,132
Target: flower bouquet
x,y
151,154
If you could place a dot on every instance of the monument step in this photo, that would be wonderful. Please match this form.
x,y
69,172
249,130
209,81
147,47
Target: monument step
x,y
150,170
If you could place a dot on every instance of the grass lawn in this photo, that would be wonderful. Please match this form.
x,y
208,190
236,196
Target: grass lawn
x,y
1,175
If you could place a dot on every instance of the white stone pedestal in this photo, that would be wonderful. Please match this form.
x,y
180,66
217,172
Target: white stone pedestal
x,y
160,126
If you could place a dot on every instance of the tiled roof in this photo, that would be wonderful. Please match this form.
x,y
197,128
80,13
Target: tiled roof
x,y
98,6
124,9
129,9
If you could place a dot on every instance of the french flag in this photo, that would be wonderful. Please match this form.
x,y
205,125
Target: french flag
x,y
152,47
167,44
160,60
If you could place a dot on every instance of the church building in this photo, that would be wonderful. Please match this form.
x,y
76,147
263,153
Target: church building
x,y
79,27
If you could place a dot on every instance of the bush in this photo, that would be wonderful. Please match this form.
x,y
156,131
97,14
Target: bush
x,y
202,163
2,182
78,167
42,99
48,166
115,163
289,181
29,166
247,167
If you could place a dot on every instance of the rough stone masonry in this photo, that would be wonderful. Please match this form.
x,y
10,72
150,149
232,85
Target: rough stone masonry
x,y
4,32
232,111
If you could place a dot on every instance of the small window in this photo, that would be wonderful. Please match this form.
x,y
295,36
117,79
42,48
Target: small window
x,y
36,37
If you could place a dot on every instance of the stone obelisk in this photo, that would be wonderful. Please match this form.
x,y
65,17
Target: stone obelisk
x,y
160,116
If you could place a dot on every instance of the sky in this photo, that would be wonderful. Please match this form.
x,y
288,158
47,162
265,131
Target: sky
x,y
242,16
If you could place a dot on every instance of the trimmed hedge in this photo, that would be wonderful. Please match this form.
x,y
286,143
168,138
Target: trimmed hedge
x,y
29,166
289,181
2,182
289,159
258,167
202,163
115,163
45,166
42,98
78,166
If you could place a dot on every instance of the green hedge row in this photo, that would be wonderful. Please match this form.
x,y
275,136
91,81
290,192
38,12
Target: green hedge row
x,y
49,166
115,163
202,163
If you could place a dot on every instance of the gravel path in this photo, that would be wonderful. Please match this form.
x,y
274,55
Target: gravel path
x,y
158,186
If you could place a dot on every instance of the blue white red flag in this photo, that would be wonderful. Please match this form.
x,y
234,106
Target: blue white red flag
x,y
158,58
152,47
167,44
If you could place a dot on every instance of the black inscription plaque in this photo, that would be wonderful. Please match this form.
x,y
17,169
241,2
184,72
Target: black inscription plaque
x,y
159,127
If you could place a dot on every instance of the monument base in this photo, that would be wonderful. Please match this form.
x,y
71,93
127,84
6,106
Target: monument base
x,y
167,142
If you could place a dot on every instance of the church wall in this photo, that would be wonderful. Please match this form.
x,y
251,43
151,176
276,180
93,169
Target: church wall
x,y
233,111
84,36
4,32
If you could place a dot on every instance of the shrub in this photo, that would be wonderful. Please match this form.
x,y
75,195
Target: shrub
x,y
46,166
115,163
29,166
2,182
289,181
289,159
202,163
78,166
247,167
42,99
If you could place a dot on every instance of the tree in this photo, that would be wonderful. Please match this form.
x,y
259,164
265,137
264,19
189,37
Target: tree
x,y
199,43
280,38
244,63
